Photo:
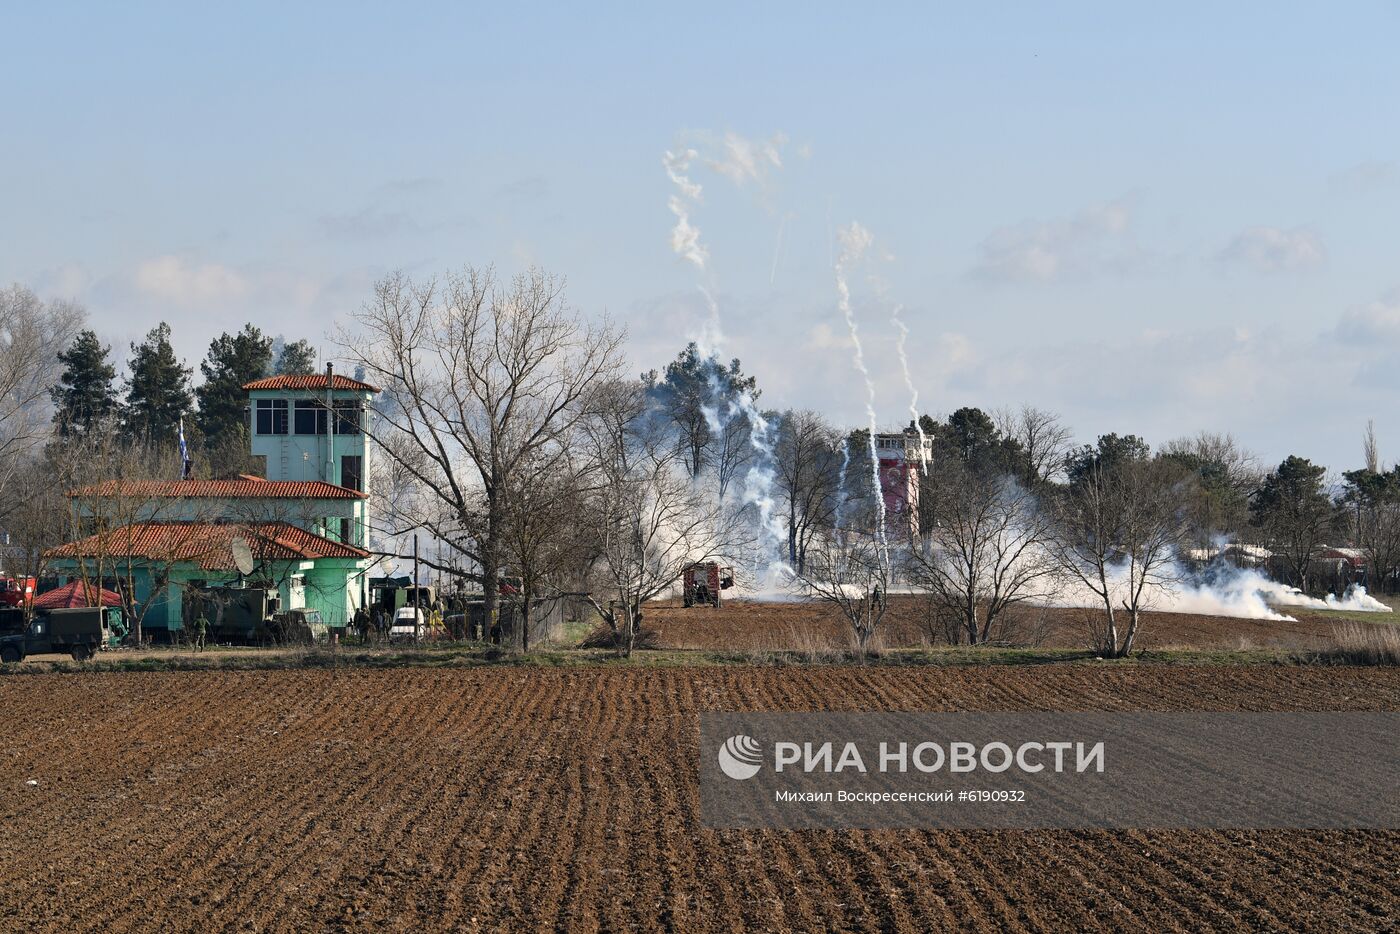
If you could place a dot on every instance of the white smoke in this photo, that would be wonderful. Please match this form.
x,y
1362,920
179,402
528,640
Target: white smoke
x,y
855,240
758,483
900,341
1356,598
740,160
744,160
1224,590
685,237
841,481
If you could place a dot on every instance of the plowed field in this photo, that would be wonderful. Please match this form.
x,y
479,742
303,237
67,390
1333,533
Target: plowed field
x,y
741,625
507,798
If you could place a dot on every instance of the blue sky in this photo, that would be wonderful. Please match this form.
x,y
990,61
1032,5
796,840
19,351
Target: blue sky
x,y
1157,220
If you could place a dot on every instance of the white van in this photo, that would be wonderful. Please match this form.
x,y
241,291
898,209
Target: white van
x,y
410,625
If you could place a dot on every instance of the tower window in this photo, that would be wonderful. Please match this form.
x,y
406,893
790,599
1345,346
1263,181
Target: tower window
x,y
347,417
272,416
310,417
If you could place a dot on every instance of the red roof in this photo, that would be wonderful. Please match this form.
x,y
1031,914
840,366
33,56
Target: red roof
x,y
244,486
76,594
210,544
309,381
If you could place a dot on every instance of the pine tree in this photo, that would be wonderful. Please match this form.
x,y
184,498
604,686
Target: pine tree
x,y
157,389
234,359
295,358
86,395
695,391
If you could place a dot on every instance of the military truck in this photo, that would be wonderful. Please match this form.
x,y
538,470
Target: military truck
x,y
239,615
80,632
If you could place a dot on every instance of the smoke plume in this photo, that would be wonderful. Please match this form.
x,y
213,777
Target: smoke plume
x,y
685,237
855,240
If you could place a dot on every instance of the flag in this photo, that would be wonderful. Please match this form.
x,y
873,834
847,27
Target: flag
x,y
185,463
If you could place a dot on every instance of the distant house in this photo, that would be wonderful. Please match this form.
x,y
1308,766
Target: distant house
x,y
1235,553
301,532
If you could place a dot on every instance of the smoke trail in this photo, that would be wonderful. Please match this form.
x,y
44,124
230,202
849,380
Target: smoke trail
x,y
899,343
758,482
841,480
742,161
685,237
855,240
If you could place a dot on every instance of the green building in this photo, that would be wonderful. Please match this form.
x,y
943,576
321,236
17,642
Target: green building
x,y
301,531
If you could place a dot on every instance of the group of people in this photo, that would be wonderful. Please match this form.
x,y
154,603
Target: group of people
x,y
376,621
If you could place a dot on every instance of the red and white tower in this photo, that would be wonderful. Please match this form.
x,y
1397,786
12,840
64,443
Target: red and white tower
x,y
901,461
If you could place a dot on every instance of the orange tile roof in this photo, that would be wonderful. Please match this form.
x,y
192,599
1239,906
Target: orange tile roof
x,y
244,486
309,381
74,595
208,544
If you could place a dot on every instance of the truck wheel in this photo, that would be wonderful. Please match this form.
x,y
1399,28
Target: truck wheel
x,y
82,653
9,654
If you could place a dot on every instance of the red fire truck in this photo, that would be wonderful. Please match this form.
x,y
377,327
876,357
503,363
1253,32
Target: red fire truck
x,y
701,583
16,591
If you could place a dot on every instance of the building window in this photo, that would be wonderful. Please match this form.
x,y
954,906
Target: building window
x,y
352,472
310,417
272,417
347,417
345,528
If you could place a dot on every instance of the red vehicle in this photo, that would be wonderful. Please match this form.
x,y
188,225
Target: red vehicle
x,y
16,591
701,583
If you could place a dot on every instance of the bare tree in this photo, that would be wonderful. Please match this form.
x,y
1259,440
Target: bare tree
x,y
1043,439
808,472
731,449
850,571
32,334
542,538
37,517
483,379
986,550
1116,534
645,520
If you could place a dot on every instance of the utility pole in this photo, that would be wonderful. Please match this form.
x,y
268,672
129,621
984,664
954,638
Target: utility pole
x,y
417,608
330,423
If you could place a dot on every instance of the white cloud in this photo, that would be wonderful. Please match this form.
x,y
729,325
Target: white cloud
x,y
1376,323
1272,249
1094,240
748,160
183,282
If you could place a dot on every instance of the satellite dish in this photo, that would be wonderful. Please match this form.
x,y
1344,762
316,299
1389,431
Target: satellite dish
x,y
242,555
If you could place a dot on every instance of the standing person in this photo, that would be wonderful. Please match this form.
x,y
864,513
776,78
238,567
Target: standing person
x,y
362,625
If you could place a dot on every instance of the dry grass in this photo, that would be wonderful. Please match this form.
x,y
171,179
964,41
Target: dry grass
x,y
1364,644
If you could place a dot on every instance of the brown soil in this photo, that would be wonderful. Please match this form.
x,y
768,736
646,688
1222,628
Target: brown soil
x,y
748,626
490,799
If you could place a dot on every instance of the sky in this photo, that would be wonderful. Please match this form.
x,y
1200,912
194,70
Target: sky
x,y
1157,220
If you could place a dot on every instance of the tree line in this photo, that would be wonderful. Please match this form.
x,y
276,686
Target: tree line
x,y
511,433
157,392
